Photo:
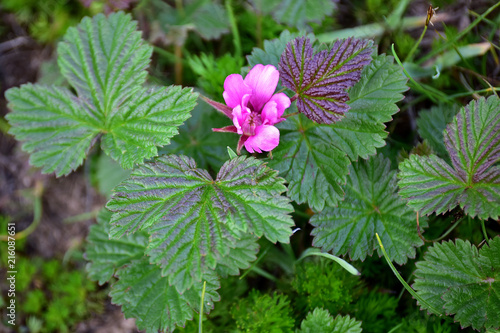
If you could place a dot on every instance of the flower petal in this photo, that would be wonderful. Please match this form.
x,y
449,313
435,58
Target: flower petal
x,y
273,110
239,117
282,103
234,90
266,138
263,81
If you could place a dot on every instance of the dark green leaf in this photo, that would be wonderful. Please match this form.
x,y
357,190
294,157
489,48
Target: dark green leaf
x,y
147,296
371,206
197,140
431,124
107,255
296,13
463,281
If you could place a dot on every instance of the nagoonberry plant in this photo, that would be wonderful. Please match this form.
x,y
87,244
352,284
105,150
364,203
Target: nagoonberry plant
x,y
176,226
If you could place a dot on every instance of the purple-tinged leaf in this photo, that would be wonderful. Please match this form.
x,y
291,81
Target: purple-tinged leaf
x,y
321,80
194,220
473,142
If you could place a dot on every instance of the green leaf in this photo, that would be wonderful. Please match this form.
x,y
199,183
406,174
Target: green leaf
x,y
147,296
197,140
473,180
463,281
320,321
371,206
431,124
296,13
206,18
106,255
109,174
105,61
240,255
57,128
312,157
193,219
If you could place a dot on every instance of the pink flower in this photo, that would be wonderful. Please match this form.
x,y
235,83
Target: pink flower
x,y
254,108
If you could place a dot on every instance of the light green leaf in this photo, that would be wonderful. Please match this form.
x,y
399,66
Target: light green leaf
x,y
147,296
473,180
193,219
105,61
109,174
314,158
149,120
320,321
371,206
431,124
463,281
57,128
107,255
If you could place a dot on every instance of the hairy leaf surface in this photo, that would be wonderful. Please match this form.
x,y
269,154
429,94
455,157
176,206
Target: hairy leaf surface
x,y
463,281
371,206
473,181
107,255
193,219
314,158
105,60
320,321
147,296
321,80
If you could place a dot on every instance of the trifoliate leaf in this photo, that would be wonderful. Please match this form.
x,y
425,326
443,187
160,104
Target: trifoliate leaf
x,y
371,206
240,256
273,49
147,296
296,13
463,281
320,321
105,61
312,157
321,80
431,124
107,255
193,219
473,182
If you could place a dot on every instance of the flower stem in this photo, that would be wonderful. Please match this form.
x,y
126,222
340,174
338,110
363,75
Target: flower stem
x,y
484,232
200,327
407,287
291,114
234,29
